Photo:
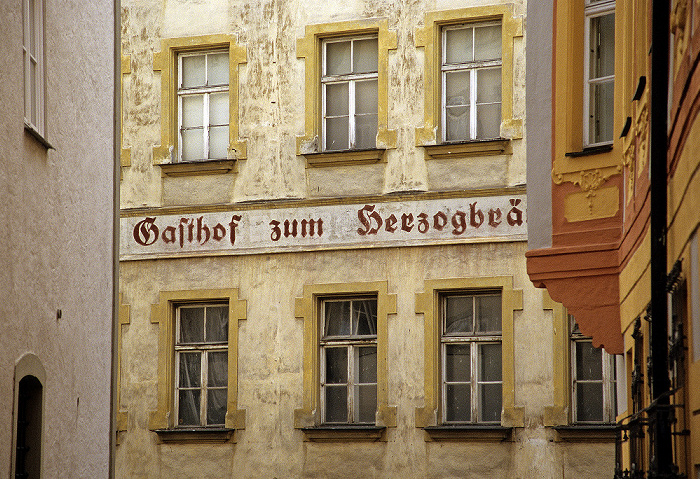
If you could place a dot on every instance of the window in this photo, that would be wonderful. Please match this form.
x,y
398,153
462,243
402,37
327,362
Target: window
x,y
594,380
199,102
599,72
203,105
349,360
33,58
471,81
469,364
201,351
345,361
29,412
471,358
349,83
197,364
473,89
347,104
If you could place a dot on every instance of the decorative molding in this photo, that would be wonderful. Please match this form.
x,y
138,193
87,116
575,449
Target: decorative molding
x,y
588,180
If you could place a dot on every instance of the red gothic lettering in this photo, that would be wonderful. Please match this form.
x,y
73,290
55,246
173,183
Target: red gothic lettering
x,y
459,221
439,220
365,215
234,222
423,224
202,231
219,232
146,232
293,231
494,217
515,215
407,222
169,234
276,232
390,223
311,225
476,217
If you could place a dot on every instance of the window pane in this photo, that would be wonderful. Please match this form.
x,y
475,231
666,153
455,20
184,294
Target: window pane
x,y
188,414
217,374
336,365
365,131
337,318
602,62
337,133
336,403
192,145
487,43
457,88
365,56
364,317
366,96
191,325
337,58
459,314
190,370
488,121
457,363
367,403
602,102
218,109
217,323
458,402
459,45
456,109
218,142
217,68
216,406
589,365
488,312
490,407
337,95
192,112
589,402
366,365
490,358
488,85
193,71
457,127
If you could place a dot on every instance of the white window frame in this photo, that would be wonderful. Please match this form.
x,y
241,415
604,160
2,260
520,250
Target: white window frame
x,y
206,91
351,79
609,379
593,9
475,340
204,348
33,59
471,67
352,343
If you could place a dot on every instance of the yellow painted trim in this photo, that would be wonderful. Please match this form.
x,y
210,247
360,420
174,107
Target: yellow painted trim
x,y
592,204
125,155
307,308
165,61
427,303
309,48
163,314
124,320
428,37
558,413
634,284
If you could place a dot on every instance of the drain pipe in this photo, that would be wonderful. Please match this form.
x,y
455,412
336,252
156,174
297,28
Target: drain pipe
x,y
662,453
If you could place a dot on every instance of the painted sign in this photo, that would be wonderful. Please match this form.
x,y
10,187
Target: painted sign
x,y
367,225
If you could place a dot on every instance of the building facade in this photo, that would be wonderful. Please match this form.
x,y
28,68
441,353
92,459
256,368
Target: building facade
x,y
597,250
323,230
58,261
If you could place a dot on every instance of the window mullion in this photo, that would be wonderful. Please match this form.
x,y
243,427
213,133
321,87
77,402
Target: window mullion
x,y
474,355
351,383
203,392
205,121
351,114
472,104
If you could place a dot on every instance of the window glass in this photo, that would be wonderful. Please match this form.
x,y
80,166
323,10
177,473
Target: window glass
x,y
365,56
487,43
459,45
600,72
349,352
217,69
193,73
338,58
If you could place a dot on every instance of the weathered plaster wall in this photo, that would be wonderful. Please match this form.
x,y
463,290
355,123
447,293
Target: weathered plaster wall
x,y
56,242
270,376
271,104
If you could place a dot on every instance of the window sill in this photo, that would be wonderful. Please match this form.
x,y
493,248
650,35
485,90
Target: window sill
x,y
587,433
195,168
344,158
593,150
475,432
202,435
344,433
38,137
496,146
